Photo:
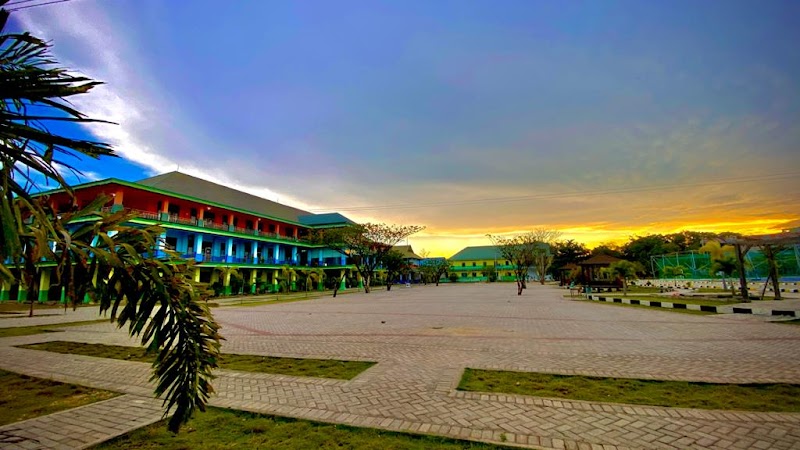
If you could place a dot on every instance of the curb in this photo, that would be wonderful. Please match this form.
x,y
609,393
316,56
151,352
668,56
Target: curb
x,y
722,309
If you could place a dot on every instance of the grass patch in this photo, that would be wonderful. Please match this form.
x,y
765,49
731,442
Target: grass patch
x,y
775,397
321,368
653,308
224,429
37,329
24,397
13,306
790,322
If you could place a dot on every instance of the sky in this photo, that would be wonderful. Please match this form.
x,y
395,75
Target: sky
x,y
601,119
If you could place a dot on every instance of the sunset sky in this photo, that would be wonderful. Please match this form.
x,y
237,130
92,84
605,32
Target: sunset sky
x,y
601,119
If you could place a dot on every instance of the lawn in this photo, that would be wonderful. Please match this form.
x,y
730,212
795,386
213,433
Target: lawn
x,y
777,397
37,329
322,368
225,429
24,397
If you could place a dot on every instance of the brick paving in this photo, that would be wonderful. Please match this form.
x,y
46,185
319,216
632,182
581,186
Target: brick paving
x,y
423,338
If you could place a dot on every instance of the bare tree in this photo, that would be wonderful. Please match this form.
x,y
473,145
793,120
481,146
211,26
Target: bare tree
x,y
365,244
527,250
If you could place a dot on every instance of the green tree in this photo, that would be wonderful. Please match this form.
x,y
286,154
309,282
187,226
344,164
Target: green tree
x,y
365,244
435,268
723,260
673,272
395,265
525,251
115,264
490,272
566,252
625,270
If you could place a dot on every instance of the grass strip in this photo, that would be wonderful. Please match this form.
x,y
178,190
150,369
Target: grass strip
x,y
24,397
321,368
37,329
773,397
219,428
651,308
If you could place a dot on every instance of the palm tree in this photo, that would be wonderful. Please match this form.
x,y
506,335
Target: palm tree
x,y
286,279
722,261
115,263
625,270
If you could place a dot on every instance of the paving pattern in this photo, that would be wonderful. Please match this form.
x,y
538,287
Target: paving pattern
x,y
423,338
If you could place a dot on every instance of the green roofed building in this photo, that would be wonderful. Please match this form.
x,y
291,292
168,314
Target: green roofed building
x,y
471,264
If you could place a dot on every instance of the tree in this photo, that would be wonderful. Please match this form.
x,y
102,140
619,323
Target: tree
x,y
365,244
286,278
673,272
490,271
119,266
722,260
625,270
435,268
542,254
525,251
770,252
566,252
395,265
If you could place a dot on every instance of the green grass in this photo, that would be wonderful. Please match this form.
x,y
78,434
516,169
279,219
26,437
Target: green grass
x,y
652,308
775,397
790,322
218,429
37,329
24,397
322,368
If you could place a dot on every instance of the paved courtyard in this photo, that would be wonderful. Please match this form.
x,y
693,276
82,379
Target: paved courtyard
x,y
423,337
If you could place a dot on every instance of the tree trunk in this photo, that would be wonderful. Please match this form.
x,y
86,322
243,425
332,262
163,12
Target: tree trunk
x,y
519,287
624,286
742,274
366,284
770,253
388,286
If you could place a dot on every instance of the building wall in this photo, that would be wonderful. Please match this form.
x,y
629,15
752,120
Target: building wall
x,y
473,270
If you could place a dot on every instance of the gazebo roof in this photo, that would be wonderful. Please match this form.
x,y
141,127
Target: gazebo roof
x,y
568,266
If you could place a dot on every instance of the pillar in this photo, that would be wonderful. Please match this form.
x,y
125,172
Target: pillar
x,y
196,275
343,260
44,285
229,250
294,254
360,281
253,281
274,281
342,284
118,196
226,283
255,252
277,253
86,297
5,291
294,282
320,259
198,247
22,294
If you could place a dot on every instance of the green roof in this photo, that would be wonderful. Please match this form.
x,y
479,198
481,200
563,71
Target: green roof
x,y
406,251
481,252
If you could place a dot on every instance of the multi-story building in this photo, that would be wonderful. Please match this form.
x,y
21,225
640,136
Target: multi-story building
x,y
218,227
472,263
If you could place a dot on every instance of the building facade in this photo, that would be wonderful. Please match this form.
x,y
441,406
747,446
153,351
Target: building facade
x,y
226,232
472,264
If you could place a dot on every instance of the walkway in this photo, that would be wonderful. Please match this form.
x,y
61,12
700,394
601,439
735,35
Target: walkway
x,y
423,338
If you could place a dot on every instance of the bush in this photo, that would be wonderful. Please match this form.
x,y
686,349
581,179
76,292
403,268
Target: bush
x,y
453,277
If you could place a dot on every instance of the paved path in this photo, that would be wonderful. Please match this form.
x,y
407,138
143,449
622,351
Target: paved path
x,y
423,338
51,316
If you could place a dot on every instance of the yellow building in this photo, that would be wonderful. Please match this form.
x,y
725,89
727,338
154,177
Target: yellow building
x,y
474,264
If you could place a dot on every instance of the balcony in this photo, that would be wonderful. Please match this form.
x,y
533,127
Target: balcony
x,y
172,218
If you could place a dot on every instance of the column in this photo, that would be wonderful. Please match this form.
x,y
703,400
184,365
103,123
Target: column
x,y
360,281
162,243
255,252
229,250
198,247
44,285
320,259
226,283
277,253
342,284
294,254
117,206
253,281
294,282
196,275
22,294
164,214
274,281
343,260
5,291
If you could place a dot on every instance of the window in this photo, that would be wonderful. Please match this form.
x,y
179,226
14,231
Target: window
x,y
193,213
190,244
474,264
171,242
272,228
248,225
463,264
507,263
463,275
474,274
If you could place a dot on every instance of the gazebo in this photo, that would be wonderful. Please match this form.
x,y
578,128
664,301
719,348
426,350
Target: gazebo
x,y
564,271
770,244
591,269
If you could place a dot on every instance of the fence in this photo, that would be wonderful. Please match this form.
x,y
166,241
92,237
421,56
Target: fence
x,y
698,265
